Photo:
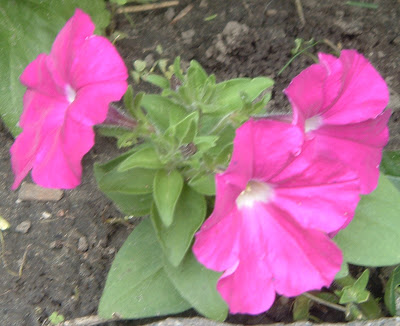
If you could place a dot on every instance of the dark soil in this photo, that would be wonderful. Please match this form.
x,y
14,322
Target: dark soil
x,y
59,274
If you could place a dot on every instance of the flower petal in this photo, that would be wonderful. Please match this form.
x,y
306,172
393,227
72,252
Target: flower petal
x,y
41,114
255,141
364,93
358,145
71,37
300,259
340,90
38,76
319,192
96,61
23,154
216,244
91,103
307,94
247,286
58,161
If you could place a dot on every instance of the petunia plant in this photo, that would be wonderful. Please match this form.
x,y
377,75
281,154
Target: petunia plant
x,y
236,206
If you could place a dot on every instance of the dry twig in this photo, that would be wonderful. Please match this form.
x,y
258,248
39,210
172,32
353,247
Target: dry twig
x,y
146,7
23,261
300,12
182,14
83,321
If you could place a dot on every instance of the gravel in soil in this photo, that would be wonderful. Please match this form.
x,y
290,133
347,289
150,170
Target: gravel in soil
x,y
62,249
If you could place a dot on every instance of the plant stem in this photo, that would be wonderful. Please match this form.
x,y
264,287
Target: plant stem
x,y
324,302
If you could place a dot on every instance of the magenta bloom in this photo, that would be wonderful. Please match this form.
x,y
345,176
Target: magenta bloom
x,y
339,103
68,92
273,210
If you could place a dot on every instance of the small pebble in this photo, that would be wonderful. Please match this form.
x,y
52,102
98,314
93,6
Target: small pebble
x,y
149,59
45,216
271,12
396,40
169,14
188,35
30,191
83,244
203,4
102,243
23,227
56,244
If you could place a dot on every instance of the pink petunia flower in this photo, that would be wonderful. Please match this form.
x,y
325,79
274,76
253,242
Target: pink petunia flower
x,y
273,210
68,91
340,103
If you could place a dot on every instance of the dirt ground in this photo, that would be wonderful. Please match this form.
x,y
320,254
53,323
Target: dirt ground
x,y
68,249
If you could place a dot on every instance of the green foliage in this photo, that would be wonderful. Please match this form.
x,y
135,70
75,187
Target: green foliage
x,y
390,165
186,135
143,283
145,156
167,189
301,308
355,293
176,238
372,238
197,285
137,285
28,28
392,293
55,318
132,196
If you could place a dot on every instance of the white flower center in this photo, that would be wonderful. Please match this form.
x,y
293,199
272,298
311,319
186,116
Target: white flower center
x,y
70,93
255,192
313,123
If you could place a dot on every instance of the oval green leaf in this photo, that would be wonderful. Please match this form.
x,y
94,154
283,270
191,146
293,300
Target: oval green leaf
x,y
167,189
198,285
372,237
189,214
137,285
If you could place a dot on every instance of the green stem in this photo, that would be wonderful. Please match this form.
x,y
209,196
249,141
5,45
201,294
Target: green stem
x,y
296,55
324,302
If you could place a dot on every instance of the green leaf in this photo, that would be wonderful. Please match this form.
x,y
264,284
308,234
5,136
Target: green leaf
x,y
177,69
204,184
189,214
129,99
167,189
344,271
28,28
229,93
372,238
186,129
134,181
132,199
162,111
301,308
395,181
139,65
137,285
390,164
198,285
157,80
357,292
196,77
146,157
391,292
